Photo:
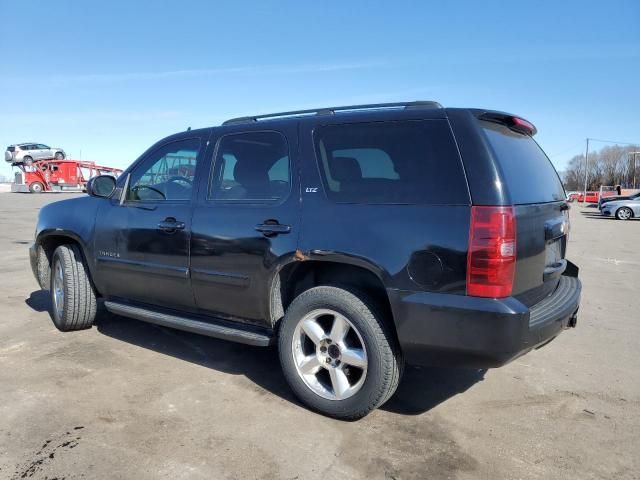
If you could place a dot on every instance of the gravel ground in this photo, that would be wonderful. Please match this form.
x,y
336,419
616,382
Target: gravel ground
x,y
131,400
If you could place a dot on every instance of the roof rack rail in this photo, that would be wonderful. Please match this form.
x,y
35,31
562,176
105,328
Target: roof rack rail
x,y
332,110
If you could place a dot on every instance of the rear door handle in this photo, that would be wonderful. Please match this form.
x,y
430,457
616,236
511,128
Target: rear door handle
x,y
170,225
269,229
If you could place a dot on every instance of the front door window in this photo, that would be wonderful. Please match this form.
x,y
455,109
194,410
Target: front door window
x,y
167,174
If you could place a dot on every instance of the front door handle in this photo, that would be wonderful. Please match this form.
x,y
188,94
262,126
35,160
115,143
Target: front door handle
x,y
170,225
270,229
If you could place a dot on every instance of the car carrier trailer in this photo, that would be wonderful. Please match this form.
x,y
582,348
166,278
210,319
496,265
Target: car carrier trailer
x,y
58,175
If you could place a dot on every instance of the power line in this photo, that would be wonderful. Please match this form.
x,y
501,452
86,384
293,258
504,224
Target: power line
x,y
565,150
612,141
562,152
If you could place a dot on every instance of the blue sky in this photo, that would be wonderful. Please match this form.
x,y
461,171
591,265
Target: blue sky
x,y
110,78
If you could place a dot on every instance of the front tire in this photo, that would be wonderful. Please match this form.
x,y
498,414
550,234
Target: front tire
x,y
624,213
59,156
36,187
337,354
73,299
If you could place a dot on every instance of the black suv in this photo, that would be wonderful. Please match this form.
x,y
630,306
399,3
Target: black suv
x,y
356,238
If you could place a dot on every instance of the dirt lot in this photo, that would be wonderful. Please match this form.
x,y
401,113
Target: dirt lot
x,y
131,400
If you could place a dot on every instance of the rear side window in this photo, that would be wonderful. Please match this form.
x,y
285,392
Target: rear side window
x,y
405,162
528,173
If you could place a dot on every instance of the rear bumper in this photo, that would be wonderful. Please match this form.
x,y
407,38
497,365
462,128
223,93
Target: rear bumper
x,y
457,330
19,188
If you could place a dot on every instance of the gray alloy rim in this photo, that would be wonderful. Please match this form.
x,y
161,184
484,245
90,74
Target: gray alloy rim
x,y
58,289
329,354
624,214
37,187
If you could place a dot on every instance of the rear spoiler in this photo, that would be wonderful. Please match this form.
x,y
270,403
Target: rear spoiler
x,y
514,122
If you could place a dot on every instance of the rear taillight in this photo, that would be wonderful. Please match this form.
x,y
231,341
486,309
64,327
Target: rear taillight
x,y
491,260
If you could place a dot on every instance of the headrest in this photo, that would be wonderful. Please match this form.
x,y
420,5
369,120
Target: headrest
x,y
344,168
248,175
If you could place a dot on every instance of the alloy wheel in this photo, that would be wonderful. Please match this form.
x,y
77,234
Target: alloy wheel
x,y
624,214
329,354
58,289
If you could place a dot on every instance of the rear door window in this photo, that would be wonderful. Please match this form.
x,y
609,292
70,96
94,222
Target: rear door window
x,y
403,162
251,167
528,173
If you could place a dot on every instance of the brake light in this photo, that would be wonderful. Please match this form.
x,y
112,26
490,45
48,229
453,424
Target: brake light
x,y
491,259
523,126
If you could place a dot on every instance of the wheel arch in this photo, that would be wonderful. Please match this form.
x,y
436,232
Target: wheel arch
x,y
301,274
46,244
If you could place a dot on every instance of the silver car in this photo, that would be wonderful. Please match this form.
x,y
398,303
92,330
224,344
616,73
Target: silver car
x,y
622,209
27,153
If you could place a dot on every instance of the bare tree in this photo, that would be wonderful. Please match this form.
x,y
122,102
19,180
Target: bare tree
x,y
608,166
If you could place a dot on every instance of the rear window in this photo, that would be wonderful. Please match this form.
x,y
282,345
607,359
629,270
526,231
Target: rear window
x,y
528,173
11,149
404,162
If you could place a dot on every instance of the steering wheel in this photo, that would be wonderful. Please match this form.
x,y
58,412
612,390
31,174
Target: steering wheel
x,y
137,188
178,178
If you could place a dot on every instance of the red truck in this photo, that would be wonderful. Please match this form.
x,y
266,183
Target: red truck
x,y
58,175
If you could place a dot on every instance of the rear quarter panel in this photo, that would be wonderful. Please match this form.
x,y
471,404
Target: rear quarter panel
x,y
410,247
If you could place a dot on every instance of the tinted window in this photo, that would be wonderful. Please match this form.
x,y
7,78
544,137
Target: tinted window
x,y
166,174
528,173
391,162
41,146
11,149
251,166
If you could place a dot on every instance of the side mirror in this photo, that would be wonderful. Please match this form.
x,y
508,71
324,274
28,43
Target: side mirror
x,y
101,186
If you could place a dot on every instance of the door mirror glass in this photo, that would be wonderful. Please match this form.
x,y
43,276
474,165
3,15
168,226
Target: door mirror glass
x,y
101,186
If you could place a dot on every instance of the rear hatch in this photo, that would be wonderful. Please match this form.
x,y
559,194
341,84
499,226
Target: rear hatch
x,y
540,207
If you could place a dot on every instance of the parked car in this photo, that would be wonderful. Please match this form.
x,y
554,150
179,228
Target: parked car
x,y
622,209
27,153
355,238
605,200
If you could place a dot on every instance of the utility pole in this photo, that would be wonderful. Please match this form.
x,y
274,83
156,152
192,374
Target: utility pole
x,y
586,169
634,167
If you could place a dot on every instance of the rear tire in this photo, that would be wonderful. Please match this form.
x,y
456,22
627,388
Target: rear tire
x,y
73,300
346,382
36,187
27,160
624,213
59,156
